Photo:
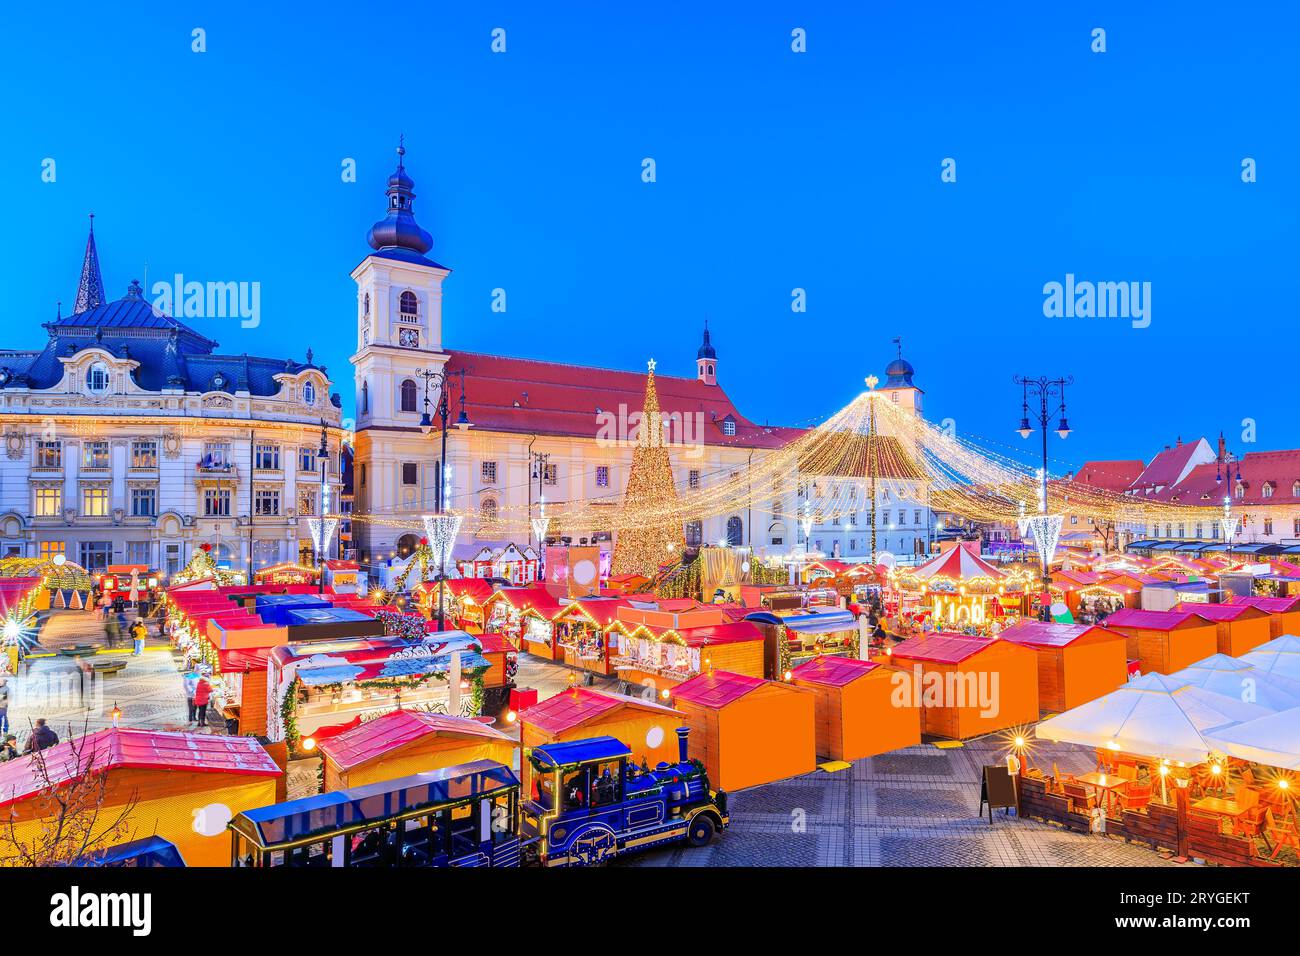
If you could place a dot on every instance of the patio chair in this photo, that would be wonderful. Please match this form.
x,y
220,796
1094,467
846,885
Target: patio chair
x,y
1082,799
1136,797
1127,771
1246,797
1280,834
1250,822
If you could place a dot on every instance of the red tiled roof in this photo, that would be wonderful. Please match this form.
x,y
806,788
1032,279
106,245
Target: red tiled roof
x,y
550,398
941,648
121,748
1152,620
604,611
570,708
833,671
1280,469
380,736
716,689
1051,634
1110,475
1168,466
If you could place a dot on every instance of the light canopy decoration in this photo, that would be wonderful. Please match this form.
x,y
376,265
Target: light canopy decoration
x,y
441,530
1046,530
322,532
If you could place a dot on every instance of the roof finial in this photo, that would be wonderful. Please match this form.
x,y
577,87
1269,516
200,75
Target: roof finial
x,y
401,148
92,223
90,288
898,340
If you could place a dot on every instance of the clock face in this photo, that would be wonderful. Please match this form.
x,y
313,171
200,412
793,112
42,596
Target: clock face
x,y
409,338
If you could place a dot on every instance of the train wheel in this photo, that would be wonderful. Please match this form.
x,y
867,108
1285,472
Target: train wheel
x,y
701,830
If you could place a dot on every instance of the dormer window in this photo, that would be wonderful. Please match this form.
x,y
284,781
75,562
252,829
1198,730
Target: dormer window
x,y
409,305
728,426
97,377
309,393
1266,490
1240,491
1295,489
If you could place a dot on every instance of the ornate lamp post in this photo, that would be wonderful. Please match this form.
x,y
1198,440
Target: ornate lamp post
x,y
437,527
1045,528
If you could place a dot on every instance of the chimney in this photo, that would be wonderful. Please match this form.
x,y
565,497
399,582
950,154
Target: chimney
x,y
682,734
1223,448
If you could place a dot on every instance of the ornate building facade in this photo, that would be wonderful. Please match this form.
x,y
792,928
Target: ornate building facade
x,y
130,439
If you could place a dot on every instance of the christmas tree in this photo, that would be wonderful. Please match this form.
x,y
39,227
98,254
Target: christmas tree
x,y
645,541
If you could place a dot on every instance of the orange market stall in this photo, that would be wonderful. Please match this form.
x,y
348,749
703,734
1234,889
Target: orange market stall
x,y
1076,662
1240,627
749,731
1165,641
856,713
182,787
644,726
582,633
1283,612
969,685
406,742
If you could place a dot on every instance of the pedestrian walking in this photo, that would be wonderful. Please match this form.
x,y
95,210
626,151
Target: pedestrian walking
x,y
138,633
4,706
41,738
111,631
191,681
202,694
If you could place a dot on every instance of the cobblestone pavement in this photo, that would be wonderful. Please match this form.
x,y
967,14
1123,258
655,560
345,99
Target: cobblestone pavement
x,y
912,807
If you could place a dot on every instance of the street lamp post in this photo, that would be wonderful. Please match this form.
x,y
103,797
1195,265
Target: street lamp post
x,y
323,456
1050,393
433,378
541,462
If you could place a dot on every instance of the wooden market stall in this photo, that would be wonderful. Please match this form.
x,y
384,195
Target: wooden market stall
x,y
182,787
856,713
647,728
969,685
1165,641
1283,612
1240,627
749,731
582,633
524,616
406,742
1076,662
662,657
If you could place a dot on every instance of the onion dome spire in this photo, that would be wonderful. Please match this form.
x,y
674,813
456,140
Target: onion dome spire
x,y
706,348
90,290
399,230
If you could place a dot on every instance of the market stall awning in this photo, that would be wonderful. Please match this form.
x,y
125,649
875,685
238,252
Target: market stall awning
x,y
1154,716
820,622
1273,741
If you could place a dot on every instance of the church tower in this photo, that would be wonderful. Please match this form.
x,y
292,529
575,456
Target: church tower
x,y
898,383
399,312
706,360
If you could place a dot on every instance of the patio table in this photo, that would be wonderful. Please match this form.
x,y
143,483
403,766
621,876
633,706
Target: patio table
x,y
1109,784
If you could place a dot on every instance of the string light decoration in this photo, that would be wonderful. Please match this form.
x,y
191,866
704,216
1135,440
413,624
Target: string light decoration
x,y
1046,530
322,532
642,544
441,530
831,466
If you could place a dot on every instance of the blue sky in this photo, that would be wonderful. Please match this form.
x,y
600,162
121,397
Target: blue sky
x,y
775,171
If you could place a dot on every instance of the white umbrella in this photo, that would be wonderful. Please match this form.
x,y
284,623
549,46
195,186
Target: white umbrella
x,y
135,586
1156,715
1280,656
1241,680
1273,740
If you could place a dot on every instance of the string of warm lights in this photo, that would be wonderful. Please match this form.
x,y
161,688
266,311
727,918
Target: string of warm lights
x,y
827,468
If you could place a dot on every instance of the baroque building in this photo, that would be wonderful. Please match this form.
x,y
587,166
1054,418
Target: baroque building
x,y
130,439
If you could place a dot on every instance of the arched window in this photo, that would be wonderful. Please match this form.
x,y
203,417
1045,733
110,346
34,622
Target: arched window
x,y
406,545
365,398
409,305
694,534
97,377
365,305
408,395
1267,489
309,392
735,531
1240,490
487,510
1295,489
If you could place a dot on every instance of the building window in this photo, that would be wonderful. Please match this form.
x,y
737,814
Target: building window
x,y
551,474
95,555
363,476
144,502
49,454
488,510
48,549
602,476
693,478
49,502
694,534
266,502
216,454
216,502
410,473
267,457
488,472
916,518
309,392
1267,490
1295,527
307,459
409,398
307,501
137,552
94,454
365,398
728,427
144,454
265,552
409,305
97,377
735,531
1268,526
94,502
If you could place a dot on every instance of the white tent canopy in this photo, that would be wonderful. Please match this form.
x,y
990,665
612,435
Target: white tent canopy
x,y
1156,716
1273,740
1240,680
1280,656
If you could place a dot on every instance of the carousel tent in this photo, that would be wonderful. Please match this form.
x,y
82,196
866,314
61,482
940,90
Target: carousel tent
x,y
1273,740
959,564
1156,715
1240,680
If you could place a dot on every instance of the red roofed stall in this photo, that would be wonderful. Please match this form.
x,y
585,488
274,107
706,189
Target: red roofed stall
x,y
1240,627
856,714
1076,662
1165,641
749,731
1283,612
185,787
